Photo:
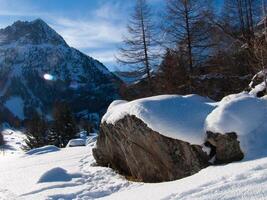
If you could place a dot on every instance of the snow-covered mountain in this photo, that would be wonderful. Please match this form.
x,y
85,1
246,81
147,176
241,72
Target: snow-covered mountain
x,y
38,68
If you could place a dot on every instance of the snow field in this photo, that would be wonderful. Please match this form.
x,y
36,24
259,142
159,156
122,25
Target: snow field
x,y
65,174
51,173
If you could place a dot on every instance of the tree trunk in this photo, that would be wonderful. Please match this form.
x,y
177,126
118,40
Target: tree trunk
x,y
189,44
251,17
146,61
241,18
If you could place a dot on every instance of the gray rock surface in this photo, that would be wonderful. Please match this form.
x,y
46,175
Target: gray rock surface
x,y
225,147
134,150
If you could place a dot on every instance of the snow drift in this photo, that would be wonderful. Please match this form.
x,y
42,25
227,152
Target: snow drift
x,y
174,116
42,150
245,115
76,142
57,174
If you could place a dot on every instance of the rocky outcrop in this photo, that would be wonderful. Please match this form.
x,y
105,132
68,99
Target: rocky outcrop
x,y
225,147
133,149
1,139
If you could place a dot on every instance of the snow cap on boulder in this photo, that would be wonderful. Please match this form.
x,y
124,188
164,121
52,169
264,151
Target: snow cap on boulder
x,y
174,116
245,115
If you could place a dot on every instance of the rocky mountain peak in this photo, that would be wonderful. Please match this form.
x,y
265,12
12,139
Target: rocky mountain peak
x,y
35,32
31,51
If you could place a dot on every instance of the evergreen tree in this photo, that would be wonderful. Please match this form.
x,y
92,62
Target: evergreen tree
x,y
52,137
173,76
36,130
86,125
64,125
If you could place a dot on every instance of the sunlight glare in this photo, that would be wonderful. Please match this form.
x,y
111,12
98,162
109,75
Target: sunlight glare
x,y
48,77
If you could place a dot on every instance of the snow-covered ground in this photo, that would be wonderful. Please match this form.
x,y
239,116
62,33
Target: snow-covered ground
x,y
241,180
16,106
50,173
70,173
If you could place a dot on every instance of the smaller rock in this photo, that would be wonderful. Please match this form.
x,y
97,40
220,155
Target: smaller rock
x,y
225,147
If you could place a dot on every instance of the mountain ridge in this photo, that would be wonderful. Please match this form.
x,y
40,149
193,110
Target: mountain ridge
x,y
29,50
33,32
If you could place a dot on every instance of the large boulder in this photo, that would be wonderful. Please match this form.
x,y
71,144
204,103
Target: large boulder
x,y
133,149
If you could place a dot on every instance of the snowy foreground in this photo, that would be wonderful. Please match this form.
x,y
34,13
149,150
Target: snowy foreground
x,y
70,173
49,173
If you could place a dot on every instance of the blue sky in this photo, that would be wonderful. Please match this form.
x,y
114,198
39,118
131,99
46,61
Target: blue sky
x,y
95,27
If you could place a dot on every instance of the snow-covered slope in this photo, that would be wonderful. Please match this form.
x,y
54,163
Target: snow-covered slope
x,y
15,105
68,174
14,140
50,173
242,180
29,52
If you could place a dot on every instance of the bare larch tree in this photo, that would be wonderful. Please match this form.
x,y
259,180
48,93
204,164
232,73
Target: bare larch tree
x,y
187,30
238,19
139,46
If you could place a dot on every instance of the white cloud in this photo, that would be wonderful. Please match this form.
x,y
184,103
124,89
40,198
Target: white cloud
x,y
107,11
88,34
107,56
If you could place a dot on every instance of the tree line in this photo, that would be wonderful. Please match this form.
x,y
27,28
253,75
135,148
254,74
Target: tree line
x,y
193,38
58,131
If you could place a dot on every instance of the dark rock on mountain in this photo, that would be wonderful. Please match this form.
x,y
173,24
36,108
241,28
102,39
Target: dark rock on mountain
x,y
135,150
34,33
1,139
30,50
225,147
